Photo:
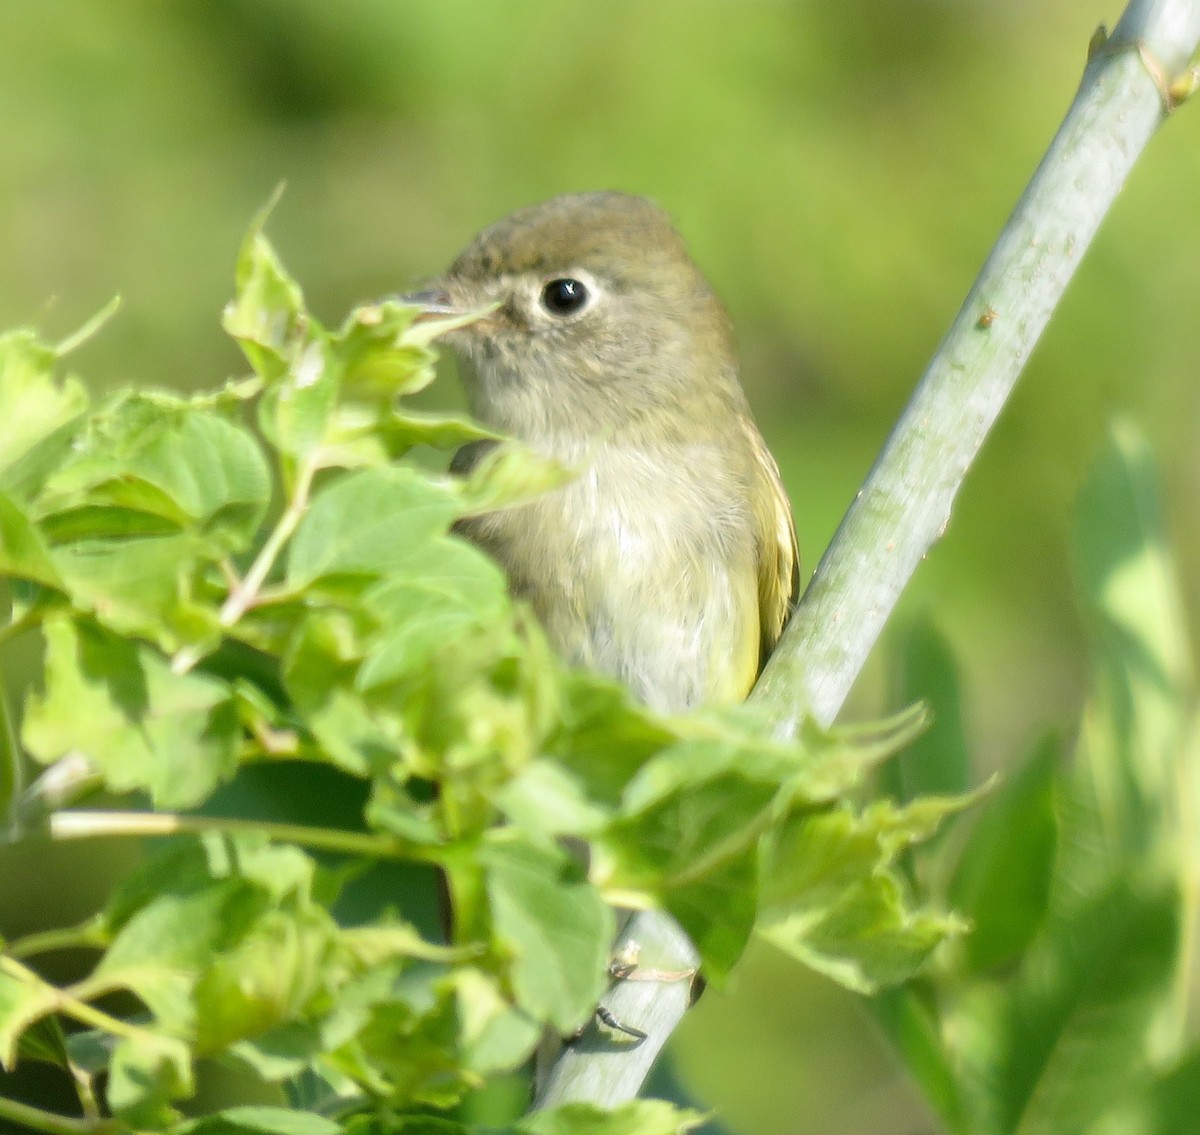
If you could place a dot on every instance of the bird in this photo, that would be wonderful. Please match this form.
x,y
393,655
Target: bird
x,y
669,560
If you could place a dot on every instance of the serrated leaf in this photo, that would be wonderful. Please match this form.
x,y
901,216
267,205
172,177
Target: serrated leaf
x,y
831,900
269,976
220,942
397,1033
367,523
379,358
553,925
438,593
603,736
174,736
544,797
687,813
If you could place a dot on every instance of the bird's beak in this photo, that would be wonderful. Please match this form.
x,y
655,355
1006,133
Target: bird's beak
x,y
438,314
433,304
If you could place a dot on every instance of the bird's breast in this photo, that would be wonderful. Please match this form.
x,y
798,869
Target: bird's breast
x,y
643,568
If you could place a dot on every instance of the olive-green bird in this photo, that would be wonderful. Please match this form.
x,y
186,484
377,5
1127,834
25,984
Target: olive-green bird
x,y
670,561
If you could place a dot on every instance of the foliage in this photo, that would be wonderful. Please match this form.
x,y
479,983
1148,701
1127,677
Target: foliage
x,y
261,573
1066,1010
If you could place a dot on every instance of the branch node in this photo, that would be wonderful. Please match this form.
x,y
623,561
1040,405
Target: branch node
x,y
1174,91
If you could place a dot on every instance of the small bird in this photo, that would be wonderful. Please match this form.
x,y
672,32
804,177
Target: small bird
x,y
670,561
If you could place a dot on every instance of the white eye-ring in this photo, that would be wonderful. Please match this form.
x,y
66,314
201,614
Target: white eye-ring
x,y
568,295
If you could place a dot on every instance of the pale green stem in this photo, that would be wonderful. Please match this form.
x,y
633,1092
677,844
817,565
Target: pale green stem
x,y
86,825
35,1119
905,505
243,594
87,936
77,1010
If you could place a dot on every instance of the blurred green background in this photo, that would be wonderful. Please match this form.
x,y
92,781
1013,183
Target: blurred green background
x,y
840,167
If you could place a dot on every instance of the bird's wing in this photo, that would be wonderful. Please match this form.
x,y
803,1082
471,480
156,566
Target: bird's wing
x,y
778,552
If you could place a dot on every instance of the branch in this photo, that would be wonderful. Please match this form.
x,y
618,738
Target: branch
x,y
905,505
1133,80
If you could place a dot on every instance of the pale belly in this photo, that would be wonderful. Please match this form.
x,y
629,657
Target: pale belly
x,y
651,585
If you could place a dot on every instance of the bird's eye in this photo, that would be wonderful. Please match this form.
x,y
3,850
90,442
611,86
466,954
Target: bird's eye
x,y
564,296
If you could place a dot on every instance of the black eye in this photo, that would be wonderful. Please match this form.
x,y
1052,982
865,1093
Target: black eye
x,y
564,297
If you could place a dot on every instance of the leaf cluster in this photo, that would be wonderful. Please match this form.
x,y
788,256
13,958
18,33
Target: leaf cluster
x,y
1070,1008
262,573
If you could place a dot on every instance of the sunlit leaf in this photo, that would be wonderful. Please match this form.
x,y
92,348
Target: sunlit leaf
x,y
172,735
554,925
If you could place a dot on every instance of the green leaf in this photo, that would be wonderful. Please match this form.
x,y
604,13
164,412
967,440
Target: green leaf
x,y
12,772
938,762
376,350
496,1036
22,1004
718,911
272,975
689,811
915,1024
401,430
831,899
1002,880
24,553
267,314
220,942
1137,726
147,1072
396,1031
295,414
543,797
505,474
175,736
1170,1103
320,671
259,1121
638,1117
367,523
446,589
554,926
158,455
38,415
137,586
1092,990
603,736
